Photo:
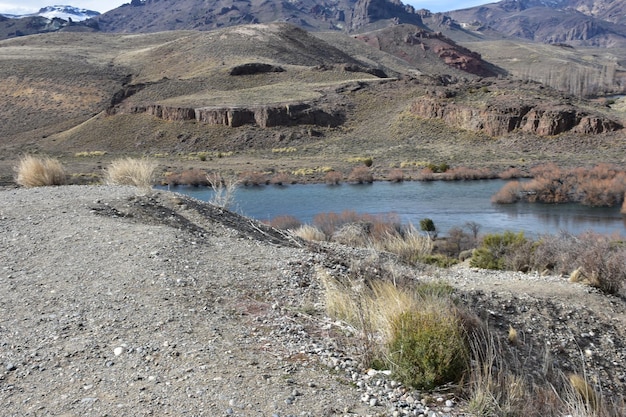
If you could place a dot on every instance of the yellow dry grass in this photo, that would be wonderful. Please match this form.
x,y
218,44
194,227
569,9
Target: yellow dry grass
x,y
39,171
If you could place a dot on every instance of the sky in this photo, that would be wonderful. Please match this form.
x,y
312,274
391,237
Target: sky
x,y
31,6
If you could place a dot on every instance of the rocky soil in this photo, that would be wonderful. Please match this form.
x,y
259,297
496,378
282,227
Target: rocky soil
x,y
115,301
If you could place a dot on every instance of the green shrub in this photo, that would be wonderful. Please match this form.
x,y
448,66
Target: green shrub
x,y
428,348
438,168
428,226
440,260
494,249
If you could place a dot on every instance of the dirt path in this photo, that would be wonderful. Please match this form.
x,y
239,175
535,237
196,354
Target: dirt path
x,y
113,302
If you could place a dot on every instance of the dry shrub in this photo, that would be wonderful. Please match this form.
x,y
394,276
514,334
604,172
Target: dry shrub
x,y
464,173
131,171
224,188
510,173
285,222
410,246
310,233
598,259
361,175
584,391
396,175
501,386
352,234
194,177
333,177
34,171
375,225
509,193
281,178
457,241
426,174
602,185
254,178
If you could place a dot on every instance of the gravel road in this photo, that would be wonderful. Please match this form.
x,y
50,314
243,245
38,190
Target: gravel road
x,y
114,302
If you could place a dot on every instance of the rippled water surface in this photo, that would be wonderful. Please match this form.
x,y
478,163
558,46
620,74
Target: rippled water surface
x,y
448,204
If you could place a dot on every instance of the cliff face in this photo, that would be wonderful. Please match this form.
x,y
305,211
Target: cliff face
x,y
262,116
418,47
497,118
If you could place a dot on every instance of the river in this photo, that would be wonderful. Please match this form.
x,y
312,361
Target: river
x,y
447,203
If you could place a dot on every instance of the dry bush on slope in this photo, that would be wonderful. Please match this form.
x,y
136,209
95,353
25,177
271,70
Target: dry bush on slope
x,y
39,172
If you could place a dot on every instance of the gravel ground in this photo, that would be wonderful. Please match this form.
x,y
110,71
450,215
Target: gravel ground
x,y
114,302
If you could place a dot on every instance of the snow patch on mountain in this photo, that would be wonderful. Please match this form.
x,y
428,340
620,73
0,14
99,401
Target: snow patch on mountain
x,y
60,11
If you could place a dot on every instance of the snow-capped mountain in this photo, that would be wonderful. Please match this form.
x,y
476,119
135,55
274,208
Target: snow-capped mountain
x,y
67,12
62,12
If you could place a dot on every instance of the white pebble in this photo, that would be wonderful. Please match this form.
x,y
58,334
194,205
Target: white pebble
x,y
118,351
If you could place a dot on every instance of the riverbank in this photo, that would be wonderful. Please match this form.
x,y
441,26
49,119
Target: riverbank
x,y
113,301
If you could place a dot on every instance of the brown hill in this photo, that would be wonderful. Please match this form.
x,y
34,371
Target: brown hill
x,y
245,91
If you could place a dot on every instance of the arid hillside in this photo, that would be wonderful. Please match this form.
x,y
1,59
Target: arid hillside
x,y
274,98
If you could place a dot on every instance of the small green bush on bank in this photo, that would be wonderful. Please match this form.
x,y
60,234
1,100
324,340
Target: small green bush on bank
x,y
494,249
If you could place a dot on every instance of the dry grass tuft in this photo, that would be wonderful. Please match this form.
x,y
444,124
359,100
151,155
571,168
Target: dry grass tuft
x,y
584,391
39,172
512,336
410,246
310,233
131,171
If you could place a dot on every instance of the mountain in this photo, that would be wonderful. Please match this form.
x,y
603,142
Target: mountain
x,y
67,13
344,15
588,23
48,19
60,12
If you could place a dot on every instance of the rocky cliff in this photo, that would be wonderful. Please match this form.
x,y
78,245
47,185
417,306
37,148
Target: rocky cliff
x,y
500,114
417,46
234,116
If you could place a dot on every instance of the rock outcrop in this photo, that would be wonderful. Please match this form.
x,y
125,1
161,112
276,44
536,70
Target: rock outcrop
x,y
417,46
500,116
262,116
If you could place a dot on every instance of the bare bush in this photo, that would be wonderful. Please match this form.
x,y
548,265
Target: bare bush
x,y
510,193
254,178
194,177
426,174
285,222
602,185
361,175
333,177
510,173
224,188
34,171
396,175
281,178
464,173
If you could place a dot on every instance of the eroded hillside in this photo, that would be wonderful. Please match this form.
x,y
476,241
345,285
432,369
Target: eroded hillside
x,y
250,91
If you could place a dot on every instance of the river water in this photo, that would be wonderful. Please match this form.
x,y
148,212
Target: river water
x,y
447,203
